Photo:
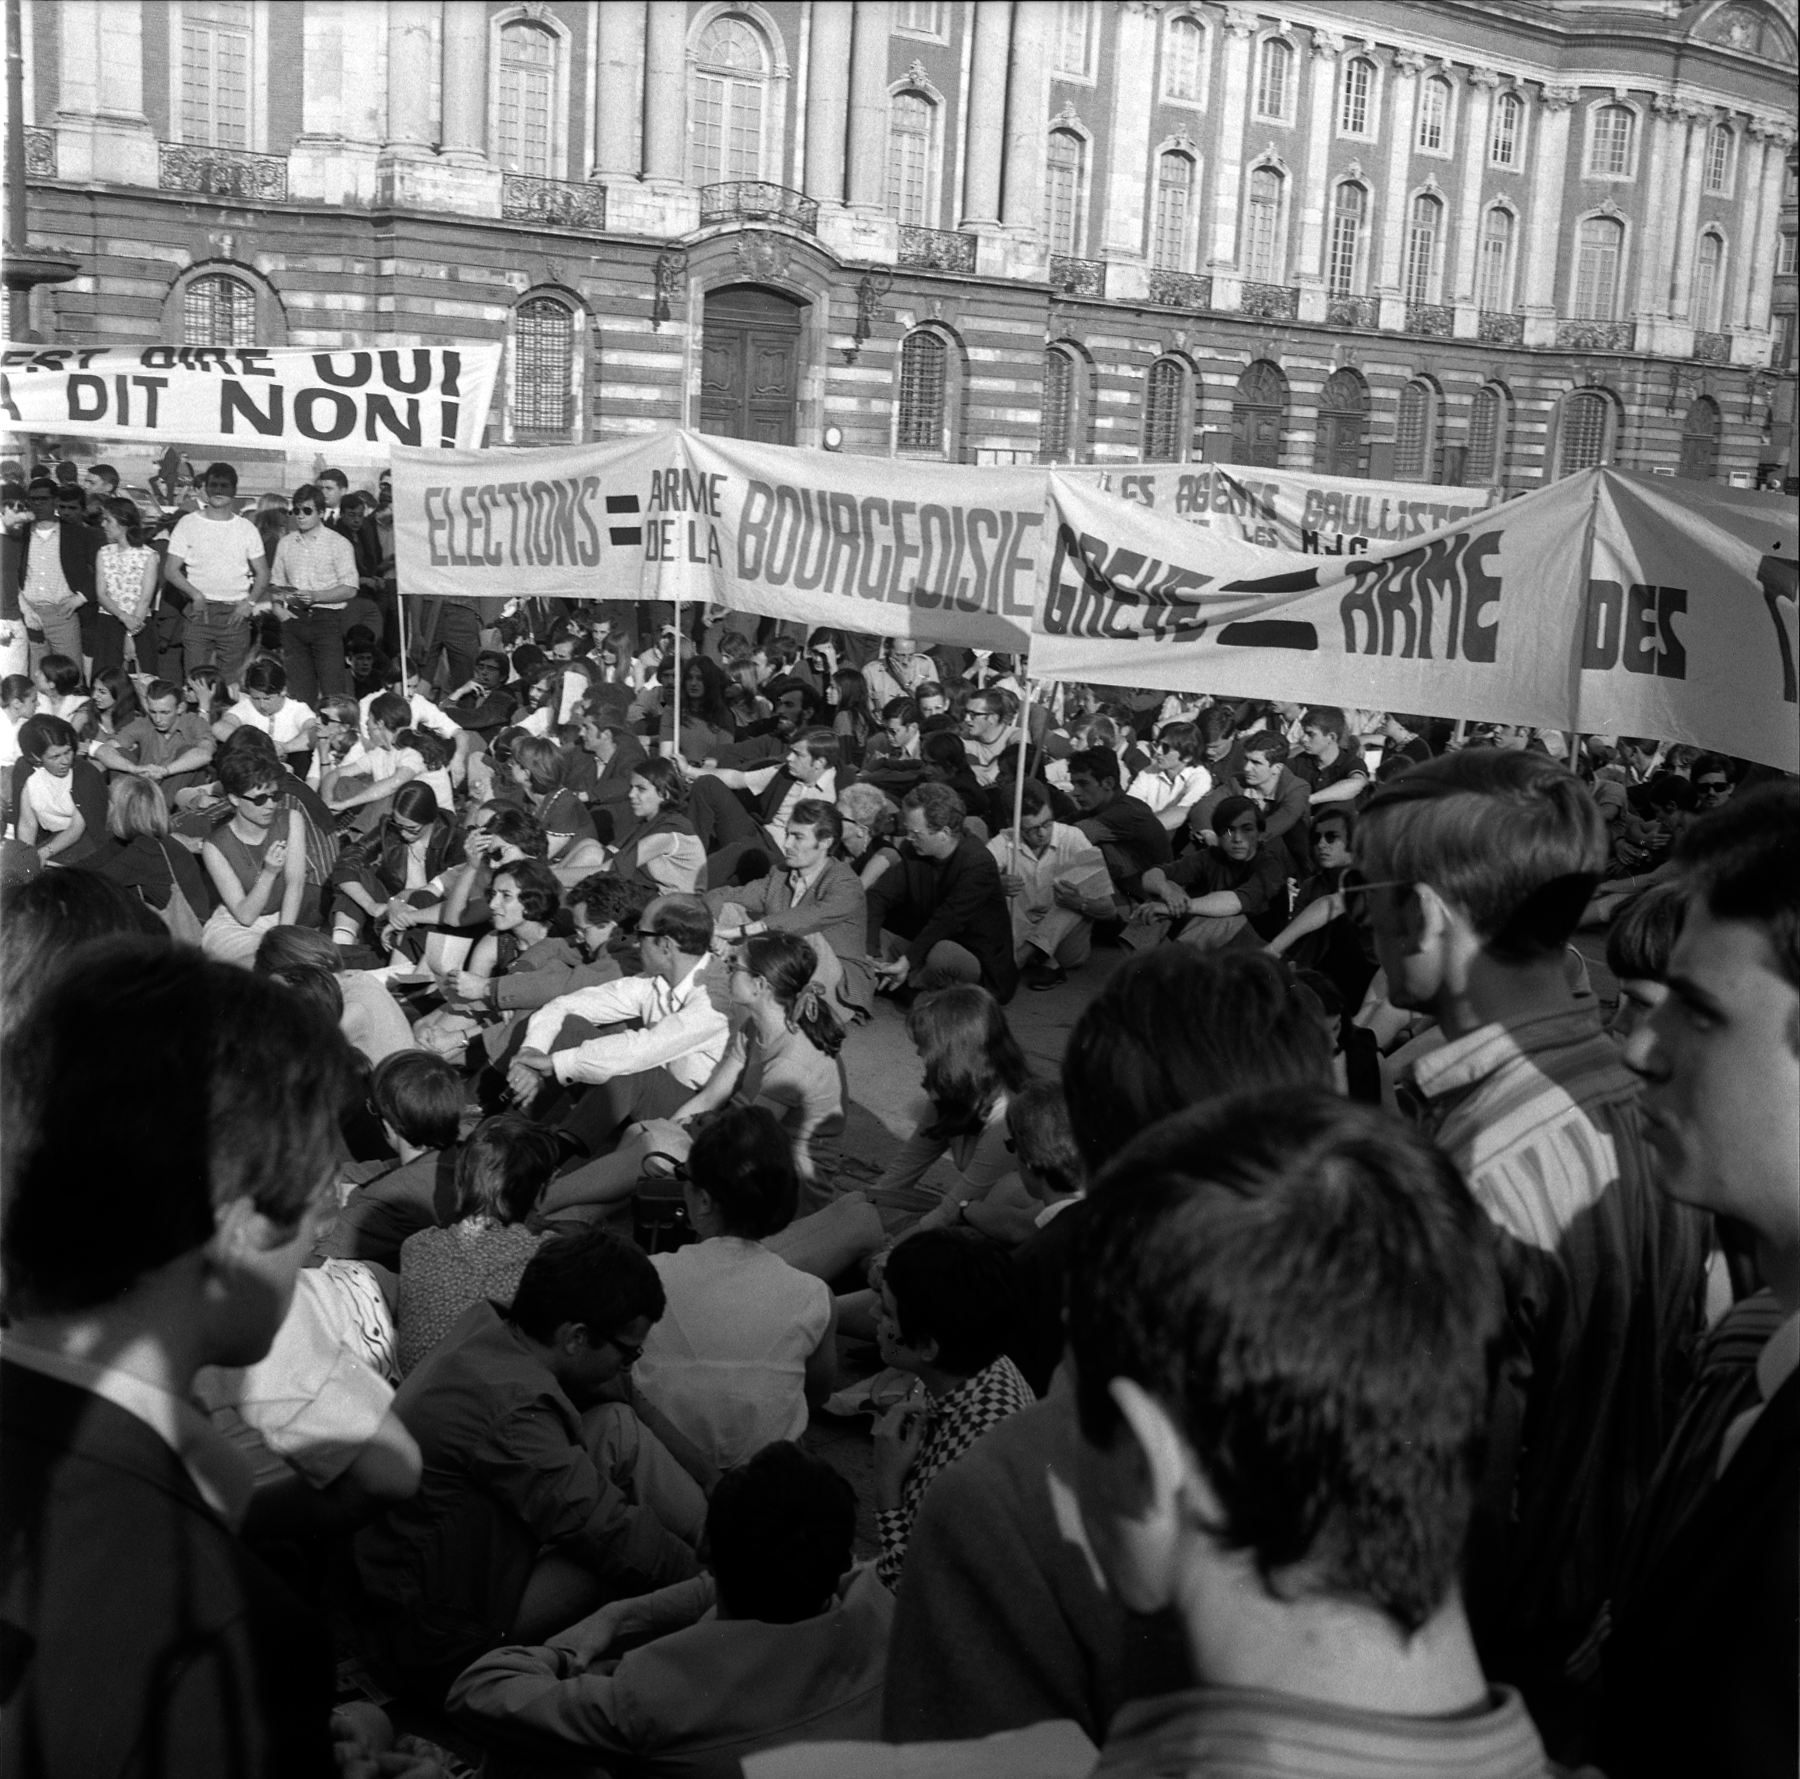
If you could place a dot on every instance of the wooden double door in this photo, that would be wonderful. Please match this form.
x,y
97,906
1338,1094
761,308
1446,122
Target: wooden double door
x,y
750,365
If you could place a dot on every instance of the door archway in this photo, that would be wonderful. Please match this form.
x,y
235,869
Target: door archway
x,y
750,364
1259,415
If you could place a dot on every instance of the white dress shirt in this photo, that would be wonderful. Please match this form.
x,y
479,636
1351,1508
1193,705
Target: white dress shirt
x,y
683,1031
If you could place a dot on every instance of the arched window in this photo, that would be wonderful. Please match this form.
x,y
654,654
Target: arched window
x,y
1356,92
730,108
544,383
1264,261
1709,283
1416,433
1434,115
1494,274
1064,431
912,120
1599,244
526,93
1700,440
1184,59
924,395
1349,225
1613,142
1165,411
1172,248
1489,424
1259,415
1423,230
1721,145
1341,447
216,42
1508,127
1274,78
1065,165
219,310
1582,437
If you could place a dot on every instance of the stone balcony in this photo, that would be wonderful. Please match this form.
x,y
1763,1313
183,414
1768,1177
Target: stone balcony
x,y
1269,302
1072,277
1362,312
553,203
1713,348
1180,290
1500,327
756,200
222,172
1435,320
936,250
1596,336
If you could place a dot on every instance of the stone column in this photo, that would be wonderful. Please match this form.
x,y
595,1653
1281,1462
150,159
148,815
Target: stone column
x,y
1652,279
409,77
1309,270
828,100
1027,100
1544,225
1228,163
1478,105
665,92
1748,224
987,117
1395,205
1779,140
869,103
1134,50
102,130
1687,230
619,146
466,84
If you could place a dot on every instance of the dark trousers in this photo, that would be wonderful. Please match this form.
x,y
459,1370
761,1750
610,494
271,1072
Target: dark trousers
x,y
312,649
456,631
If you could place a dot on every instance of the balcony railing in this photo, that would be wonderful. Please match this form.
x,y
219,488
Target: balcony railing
x,y
1078,277
755,200
1712,348
1430,318
1270,302
936,250
40,154
557,203
1352,311
1596,336
222,172
1500,327
1180,290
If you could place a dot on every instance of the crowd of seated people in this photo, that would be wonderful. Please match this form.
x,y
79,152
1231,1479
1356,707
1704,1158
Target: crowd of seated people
x,y
428,1150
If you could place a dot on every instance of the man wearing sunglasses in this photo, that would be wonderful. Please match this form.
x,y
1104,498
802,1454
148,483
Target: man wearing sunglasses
x,y
1473,871
314,578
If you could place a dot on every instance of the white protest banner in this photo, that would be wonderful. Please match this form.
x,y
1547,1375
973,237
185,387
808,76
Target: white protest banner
x,y
1289,509
564,522
1678,636
938,551
428,397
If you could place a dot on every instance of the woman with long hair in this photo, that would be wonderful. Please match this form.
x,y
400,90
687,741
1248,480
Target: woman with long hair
x,y
661,847
852,722
126,571
540,769
706,720
114,704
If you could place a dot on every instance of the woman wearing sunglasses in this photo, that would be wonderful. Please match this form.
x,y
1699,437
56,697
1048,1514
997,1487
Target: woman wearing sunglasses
x,y
314,578
256,860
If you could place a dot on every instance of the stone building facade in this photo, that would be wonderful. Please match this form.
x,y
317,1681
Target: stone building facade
x,y
1441,241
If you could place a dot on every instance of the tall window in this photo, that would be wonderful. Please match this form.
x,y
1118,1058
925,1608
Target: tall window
x,y
1721,141
218,311
924,16
527,99
911,116
1174,208
1581,442
1422,233
1709,266
1264,261
1487,437
1355,94
215,73
1787,255
1165,392
1062,190
1415,433
1434,115
1349,222
1495,271
1184,59
1062,406
1615,133
1072,26
1274,78
543,391
1599,242
923,377
725,131
1508,126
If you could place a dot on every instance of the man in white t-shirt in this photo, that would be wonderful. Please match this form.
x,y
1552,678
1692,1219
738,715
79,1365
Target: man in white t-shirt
x,y
216,558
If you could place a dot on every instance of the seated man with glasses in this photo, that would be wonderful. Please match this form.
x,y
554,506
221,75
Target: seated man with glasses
x,y
315,578
543,1496
1057,884
1213,895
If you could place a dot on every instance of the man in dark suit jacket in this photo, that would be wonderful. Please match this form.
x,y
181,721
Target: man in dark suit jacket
x,y
939,912
77,546
137,1635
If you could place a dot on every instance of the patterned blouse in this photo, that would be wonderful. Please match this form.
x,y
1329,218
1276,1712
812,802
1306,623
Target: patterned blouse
x,y
957,1421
